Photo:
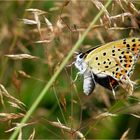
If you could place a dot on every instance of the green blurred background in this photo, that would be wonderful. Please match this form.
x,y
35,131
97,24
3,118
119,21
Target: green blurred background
x,y
65,101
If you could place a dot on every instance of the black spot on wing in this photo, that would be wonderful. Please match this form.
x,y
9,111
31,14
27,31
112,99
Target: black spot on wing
x,y
133,49
128,46
113,51
134,45
122,52
106,67
104,53
124,42
133,40
96,58
120,57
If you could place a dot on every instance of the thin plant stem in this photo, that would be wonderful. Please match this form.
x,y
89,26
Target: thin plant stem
x,y
59,106
49,84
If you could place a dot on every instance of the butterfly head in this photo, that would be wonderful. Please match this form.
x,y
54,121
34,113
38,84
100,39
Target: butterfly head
x,y
80,63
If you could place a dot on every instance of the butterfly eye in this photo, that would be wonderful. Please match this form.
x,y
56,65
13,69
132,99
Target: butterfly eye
x,y
81,55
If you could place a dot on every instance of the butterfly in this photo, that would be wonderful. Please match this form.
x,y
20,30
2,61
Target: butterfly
x,y
110,65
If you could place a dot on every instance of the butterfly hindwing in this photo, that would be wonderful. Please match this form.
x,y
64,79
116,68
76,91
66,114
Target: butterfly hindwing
x,y
107,82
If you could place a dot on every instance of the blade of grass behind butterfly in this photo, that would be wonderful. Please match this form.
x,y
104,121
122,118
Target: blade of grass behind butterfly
x,y
59,105
49,84
72,99
111,112
124,107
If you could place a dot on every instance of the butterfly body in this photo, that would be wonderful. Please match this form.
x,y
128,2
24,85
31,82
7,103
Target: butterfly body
x,y
109,65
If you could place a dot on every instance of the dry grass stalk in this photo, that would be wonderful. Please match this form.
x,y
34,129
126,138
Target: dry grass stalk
x,y
20,135
100,37
68,129
104,115
100,6
23,74
1,99
125,135
36,13
129,109
54,9
10,116
50,34
43,41
59,24
29,21
130,12
127,14
121,28
15,105
40,12
15,101
49,24
119,2
20,125
21,56
65,3
131,7
31,137
36,16
135,115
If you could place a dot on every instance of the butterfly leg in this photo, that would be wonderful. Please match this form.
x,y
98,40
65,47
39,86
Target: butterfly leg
x,y
78,73
70,64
